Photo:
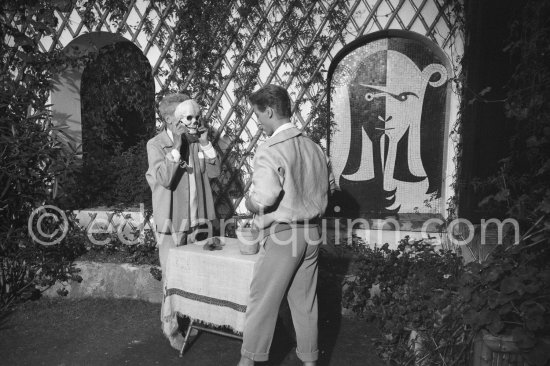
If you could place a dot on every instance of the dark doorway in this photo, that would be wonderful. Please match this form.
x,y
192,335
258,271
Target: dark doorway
x,y
118,117
117,95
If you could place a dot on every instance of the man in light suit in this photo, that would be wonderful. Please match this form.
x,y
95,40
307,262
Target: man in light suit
x,y
181,162
291,183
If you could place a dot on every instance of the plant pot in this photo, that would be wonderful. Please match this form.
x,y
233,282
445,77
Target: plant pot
x,y
249,242
496,350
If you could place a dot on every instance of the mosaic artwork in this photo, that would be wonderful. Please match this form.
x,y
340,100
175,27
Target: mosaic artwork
x,y
389,101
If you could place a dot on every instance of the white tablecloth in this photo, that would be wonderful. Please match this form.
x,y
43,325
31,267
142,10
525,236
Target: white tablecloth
x,y
209,286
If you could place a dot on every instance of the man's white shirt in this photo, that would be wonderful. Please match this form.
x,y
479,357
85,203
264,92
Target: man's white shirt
x,y
281,128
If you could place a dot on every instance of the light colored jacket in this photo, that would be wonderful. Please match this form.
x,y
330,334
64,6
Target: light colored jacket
x,y
170,186
291,178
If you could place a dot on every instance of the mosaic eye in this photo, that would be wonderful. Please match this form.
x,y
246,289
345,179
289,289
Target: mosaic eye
x,y
369,97
405,95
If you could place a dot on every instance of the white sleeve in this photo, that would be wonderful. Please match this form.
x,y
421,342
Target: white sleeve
x,y
209,151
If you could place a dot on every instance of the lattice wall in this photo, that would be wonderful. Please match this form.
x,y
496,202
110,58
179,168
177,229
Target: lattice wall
x,y
430,18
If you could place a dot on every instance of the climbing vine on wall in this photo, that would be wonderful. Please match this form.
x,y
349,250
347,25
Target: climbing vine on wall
x,y
213,50
204,34
249,32
522,184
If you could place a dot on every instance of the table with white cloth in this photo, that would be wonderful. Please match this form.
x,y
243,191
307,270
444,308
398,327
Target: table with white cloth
x,y
210,287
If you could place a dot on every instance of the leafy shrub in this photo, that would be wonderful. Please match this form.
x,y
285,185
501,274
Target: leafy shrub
x,y
117,181
509,294
118,117
28,266
522,184
142,251
31,157
413,288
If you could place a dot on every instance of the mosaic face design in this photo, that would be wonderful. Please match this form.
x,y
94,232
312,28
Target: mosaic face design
x,y
378,101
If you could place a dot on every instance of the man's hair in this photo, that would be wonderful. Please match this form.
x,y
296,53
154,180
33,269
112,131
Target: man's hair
x,y
272,96
168,104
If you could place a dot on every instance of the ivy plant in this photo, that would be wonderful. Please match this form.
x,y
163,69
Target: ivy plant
x,y
410,290
509,294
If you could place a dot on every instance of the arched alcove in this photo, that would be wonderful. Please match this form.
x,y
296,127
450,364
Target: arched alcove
x,y
65,96
106,108
117,100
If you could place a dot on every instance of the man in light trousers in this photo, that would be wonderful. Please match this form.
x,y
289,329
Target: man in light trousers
x,y
291,184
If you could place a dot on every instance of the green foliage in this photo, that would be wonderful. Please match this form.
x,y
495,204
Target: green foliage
x,y
118,117
131,167
206,33
510,294
31,156
116,182
522,185
411,288
27,266
117,99
415,291
113,249
37,168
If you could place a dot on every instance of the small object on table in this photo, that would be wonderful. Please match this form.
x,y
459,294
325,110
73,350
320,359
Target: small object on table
x,y
249,242
213,244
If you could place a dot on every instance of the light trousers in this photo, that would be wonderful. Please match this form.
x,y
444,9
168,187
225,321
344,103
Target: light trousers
x,y
287,265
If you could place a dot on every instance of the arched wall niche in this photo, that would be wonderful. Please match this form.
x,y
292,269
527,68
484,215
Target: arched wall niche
x,y
390,94
66,94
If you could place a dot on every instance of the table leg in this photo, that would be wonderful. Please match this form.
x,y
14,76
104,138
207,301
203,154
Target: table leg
x,y
187,333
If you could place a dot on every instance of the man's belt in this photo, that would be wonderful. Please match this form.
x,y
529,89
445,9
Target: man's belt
x,y
279,226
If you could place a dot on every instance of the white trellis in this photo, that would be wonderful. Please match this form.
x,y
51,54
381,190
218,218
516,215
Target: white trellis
x,y
431,18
